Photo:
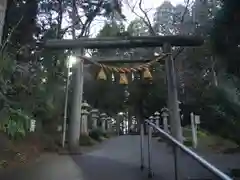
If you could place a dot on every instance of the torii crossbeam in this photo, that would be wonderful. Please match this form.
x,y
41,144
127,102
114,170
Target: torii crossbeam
x,y
123,42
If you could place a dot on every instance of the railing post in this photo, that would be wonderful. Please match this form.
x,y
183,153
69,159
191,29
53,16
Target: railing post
x,y
141,145
177,146
150,173
175,156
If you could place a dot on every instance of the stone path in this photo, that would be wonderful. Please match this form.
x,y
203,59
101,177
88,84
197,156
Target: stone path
x,y
119,159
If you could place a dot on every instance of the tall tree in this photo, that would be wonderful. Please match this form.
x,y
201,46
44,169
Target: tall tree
x,y
20,17
33,76
225,35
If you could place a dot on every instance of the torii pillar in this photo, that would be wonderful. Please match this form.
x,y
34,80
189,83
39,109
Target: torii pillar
x,y
173,105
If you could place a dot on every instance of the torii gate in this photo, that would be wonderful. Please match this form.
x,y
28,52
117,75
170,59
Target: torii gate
x,y
166,42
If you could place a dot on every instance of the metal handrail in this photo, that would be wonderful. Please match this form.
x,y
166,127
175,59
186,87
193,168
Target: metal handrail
x,y
189,152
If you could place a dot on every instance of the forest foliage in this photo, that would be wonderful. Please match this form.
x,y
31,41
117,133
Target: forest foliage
x,y
33,80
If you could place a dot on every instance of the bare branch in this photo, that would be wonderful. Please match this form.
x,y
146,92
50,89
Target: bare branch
x,y
72,25
90,18
75,9
185,11
147,18
180,50
10,35
74,15
59,19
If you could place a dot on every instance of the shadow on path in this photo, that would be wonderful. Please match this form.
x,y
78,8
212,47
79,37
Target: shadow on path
x,y
119,159
103,168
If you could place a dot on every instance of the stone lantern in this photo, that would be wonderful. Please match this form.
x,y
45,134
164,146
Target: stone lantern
x,y
165,115
151,118
84,123
109,124
157,118
84,118
85,105
94,118
103,117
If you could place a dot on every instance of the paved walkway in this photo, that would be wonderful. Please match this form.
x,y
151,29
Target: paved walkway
x,y
119,159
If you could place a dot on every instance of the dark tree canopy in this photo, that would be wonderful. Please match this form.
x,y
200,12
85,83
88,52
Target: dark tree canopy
x,y
226,36
20,22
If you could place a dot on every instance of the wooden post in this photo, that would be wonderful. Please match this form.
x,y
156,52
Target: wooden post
x,y
66,107
129,120
3,6
175,121
118,124
194,131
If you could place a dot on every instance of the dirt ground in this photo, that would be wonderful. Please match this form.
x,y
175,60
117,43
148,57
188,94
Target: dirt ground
x,y
18,153
210,142
22,152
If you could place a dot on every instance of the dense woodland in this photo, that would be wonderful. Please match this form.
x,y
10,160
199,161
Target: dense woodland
x,y
33,79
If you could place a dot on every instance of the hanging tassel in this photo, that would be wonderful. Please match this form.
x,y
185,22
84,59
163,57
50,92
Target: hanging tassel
x,y
147,74
123,79
101,75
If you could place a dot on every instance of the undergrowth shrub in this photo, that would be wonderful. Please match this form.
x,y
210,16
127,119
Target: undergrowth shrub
x,y
96,134
15,123
86,140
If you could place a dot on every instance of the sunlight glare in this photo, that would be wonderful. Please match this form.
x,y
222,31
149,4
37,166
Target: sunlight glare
x,y
72,60
120,113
